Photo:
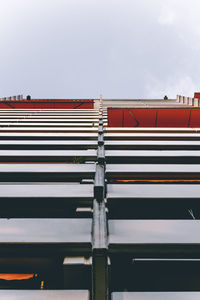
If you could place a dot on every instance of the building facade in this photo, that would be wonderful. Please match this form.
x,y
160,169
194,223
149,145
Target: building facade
x,y
100,202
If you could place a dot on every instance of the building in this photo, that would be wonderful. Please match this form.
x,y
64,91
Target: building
x,y
100,202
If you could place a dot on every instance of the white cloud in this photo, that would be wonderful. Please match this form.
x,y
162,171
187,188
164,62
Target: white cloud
x,y
167,16
77,48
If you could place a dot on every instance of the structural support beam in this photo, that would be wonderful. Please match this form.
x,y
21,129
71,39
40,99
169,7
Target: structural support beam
x,y
99,183
99,228
99,253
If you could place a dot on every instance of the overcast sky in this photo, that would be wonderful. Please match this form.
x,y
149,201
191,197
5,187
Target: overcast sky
x,y
84,48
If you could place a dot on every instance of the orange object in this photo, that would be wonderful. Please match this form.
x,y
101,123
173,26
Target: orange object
x,y
16,276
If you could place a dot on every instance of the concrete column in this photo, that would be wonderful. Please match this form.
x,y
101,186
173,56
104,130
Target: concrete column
x,y
178,98
191,101
196,102
184,100
181,99
96,103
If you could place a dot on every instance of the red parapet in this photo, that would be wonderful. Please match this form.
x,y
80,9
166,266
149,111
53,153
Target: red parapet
x,y
197,95
153,117
47,104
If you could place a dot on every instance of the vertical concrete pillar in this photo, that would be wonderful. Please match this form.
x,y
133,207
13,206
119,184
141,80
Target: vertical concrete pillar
x,y
181,99
96,104
184,100
196,102
191,101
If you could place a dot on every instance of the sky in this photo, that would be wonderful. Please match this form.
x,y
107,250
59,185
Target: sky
x,y
84,48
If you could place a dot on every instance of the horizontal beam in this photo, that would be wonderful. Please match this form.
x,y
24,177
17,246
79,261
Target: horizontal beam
x,y
49,129
44,295
46,172
155,238
45,200
155,295
76,156
47,110
50,191
45,124
151,130
152,145
153,136
153,156
58,233
77,112
47,144
48,136
30,119
153,171
153,201
152,191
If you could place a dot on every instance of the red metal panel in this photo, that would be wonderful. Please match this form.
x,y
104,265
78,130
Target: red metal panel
x,y
197,95
172,117
137,118
47,104
153,117
116,118
195,117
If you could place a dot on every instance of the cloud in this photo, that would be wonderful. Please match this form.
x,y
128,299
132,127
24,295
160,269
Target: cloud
x,y
167,16
81,48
